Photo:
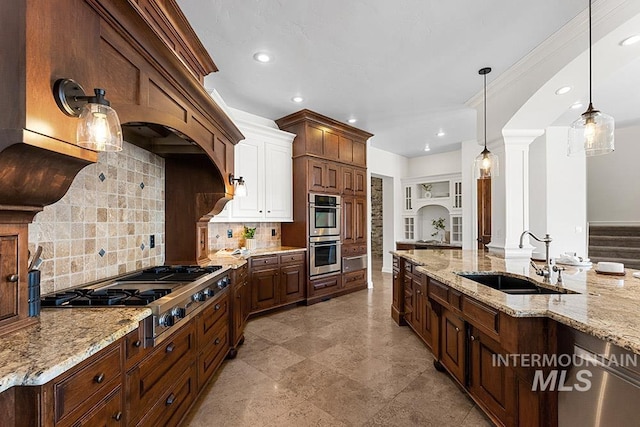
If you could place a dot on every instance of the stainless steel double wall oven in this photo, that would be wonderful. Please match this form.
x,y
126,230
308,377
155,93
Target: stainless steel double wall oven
x,y
324,234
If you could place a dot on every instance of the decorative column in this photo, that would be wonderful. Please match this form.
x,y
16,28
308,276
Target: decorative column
x,y
510,194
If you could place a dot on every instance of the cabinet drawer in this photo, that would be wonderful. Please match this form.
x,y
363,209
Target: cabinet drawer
x,y
134,349
149,380
109,413
174,401
292,257
396,263
455,299
92,380
481,315
355,278
408,267
210,319
256,262
325,285
439,292
213,354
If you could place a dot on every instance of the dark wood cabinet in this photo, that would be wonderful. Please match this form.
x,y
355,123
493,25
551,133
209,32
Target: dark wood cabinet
x,y
328,157
397,304
240,306
323,177
14,305
277,280
292,283
452,350
493,384
354,221
264,288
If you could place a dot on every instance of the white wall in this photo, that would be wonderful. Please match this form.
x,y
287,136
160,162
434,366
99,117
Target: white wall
x,y
613,181
435,164
392,166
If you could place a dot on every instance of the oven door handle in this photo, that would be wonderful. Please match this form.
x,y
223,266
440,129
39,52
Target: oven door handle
x,y
325,244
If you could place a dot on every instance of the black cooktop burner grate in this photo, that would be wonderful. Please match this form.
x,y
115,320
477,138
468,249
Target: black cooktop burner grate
x,y
180,273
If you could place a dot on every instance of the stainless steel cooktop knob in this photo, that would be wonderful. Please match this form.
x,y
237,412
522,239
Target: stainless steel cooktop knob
x,y
178,312
208,292
198,296
166,320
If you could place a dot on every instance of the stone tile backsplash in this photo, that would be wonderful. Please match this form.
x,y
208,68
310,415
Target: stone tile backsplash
x,y
101,227
218,235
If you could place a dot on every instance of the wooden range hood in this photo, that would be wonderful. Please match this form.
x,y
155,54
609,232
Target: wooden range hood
x,y
146,56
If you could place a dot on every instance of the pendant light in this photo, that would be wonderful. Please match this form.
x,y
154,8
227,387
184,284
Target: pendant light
x,y
486,164
592,133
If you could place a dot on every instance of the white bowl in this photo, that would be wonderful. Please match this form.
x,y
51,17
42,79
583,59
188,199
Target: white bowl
x,y
610,267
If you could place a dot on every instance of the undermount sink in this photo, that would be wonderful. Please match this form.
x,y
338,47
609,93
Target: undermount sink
x,y
513,285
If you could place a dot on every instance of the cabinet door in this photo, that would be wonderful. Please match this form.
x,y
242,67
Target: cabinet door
x,y
331,145
249,164
332,173
360,220
278,181
418,311
314,140
348,227
359,153
316,176
428,320
453,338
292,283
346,149
9,276
347,180
494,385
360,182
264,288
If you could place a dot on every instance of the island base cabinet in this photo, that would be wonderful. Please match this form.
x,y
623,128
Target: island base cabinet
x,y
452,344
492,384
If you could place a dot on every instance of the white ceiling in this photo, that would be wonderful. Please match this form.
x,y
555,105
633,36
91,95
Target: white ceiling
x,y
403,72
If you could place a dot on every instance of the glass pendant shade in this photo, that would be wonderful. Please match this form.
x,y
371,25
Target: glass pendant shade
x,y
486,165
99,128
592,134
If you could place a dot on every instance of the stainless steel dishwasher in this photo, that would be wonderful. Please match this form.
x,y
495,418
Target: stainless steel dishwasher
x,y
612,397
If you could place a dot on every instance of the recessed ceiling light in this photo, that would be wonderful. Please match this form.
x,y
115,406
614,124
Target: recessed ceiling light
x,y
297,99
576,105
563,90
441,133
630,40
427,148
352,120
262,57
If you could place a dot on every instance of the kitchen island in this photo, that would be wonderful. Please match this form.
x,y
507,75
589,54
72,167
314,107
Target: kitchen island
x,y
603,305
470,327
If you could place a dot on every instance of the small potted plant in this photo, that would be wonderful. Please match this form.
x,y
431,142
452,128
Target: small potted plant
x,y
249,237
438,225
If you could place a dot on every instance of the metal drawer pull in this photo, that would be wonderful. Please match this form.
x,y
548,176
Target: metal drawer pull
x,y
457,329
137,343
99,378
12,278
170,399
472,338
217,307
217,341
170,348
117,416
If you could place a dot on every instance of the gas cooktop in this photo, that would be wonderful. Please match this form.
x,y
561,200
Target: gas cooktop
x,y
137,289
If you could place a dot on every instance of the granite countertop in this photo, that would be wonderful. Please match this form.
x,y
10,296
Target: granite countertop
x,y
225,259
61,339
428,243
604,306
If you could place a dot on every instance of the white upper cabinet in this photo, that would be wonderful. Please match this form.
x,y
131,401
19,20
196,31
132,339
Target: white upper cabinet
x,y
263,160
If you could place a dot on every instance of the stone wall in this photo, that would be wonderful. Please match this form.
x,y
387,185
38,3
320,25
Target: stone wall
x,y
376,217
101,227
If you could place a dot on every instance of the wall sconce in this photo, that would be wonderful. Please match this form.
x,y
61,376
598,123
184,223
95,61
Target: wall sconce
x,y
241,188
98,125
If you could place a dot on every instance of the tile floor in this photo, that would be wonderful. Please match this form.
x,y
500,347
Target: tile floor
x,y
343,362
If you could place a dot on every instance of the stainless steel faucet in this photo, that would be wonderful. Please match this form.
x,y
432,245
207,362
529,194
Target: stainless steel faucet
x,y
546,271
